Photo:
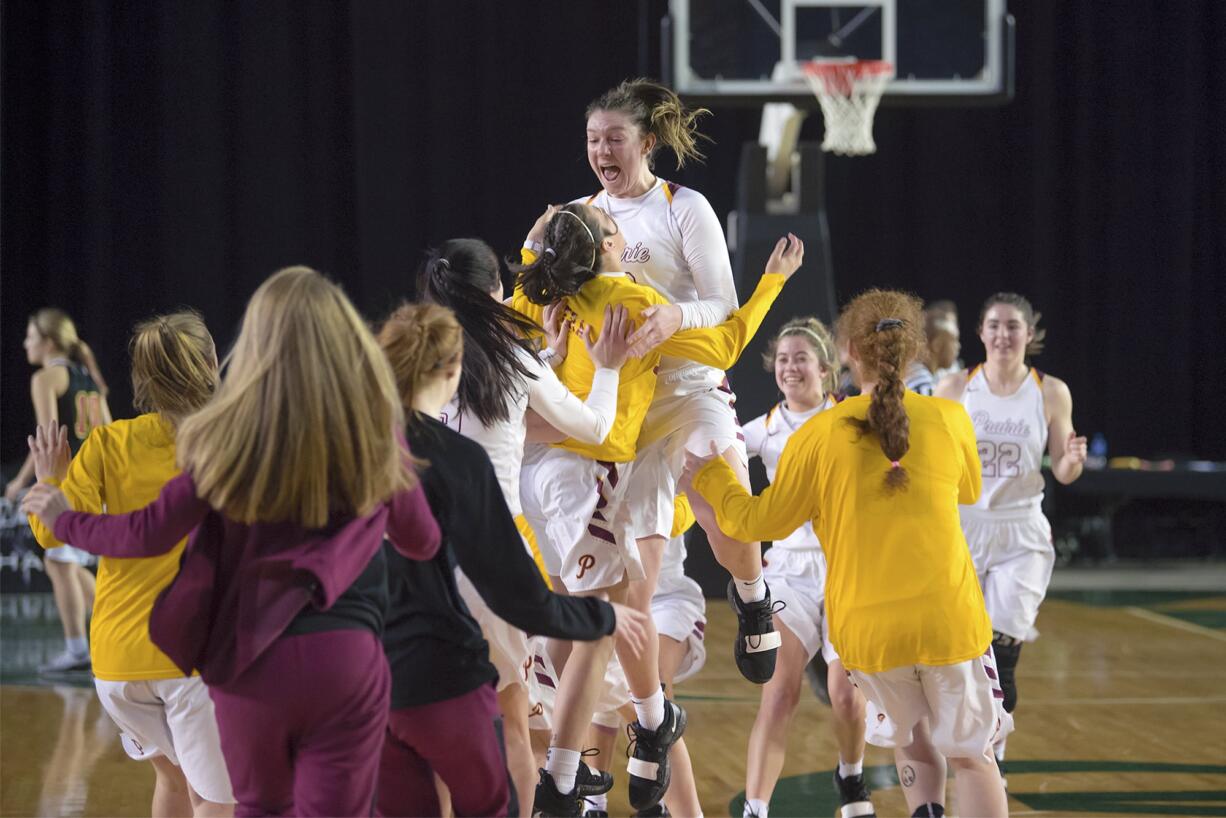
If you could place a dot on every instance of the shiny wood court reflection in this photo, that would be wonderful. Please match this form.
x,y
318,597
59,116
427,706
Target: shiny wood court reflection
x,y
1122,712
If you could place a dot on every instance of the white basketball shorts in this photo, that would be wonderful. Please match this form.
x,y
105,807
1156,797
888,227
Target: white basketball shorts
x,y
963,703
173,718
673,425
798,579
679,611
1013,557
577,508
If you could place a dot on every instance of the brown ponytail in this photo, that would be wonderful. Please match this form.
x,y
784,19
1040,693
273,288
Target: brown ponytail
x,y
174,365
54,324
656,110
419,340
886,330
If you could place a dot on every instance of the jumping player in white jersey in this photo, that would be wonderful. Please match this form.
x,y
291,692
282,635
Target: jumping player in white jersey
x,y
1017,412
802,356
675,244
502,379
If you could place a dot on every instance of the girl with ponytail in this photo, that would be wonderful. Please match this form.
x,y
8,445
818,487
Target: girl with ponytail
x,y
442,680
121,467
881,476
67,388
1019,414
803,359
502,380
574,258
675,243
294,474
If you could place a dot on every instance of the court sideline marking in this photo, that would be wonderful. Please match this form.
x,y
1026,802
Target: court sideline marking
x,y
1170,621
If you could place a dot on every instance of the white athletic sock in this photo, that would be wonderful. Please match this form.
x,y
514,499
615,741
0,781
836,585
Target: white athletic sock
x,y
650,711
77,645
597,803
999,749
751,590
755,806
848,770
562,765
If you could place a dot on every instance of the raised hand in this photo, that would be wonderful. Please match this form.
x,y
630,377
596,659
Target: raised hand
x,y
787,256
49,446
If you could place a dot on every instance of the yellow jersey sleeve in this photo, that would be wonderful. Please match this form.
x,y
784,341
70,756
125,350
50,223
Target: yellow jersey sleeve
x,y
967,448
720,346
683,516
82,485
785,505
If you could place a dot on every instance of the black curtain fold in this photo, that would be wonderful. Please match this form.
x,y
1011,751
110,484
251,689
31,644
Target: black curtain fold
x,y
166,154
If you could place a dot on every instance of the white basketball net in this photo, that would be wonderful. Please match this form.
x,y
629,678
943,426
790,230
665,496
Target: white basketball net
x,y
849,91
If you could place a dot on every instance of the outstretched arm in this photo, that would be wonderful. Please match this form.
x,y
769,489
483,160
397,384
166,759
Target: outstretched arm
x,y
721,346
783,506
488,547
149,532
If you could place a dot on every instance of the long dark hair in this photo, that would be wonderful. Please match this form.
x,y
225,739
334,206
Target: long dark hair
x,y
570,256
460,275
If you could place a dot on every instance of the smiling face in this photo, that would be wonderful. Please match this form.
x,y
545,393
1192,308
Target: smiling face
x,y
618,152
799,373
1005,334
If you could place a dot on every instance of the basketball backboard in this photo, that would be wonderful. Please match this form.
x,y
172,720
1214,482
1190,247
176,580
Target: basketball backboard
x,y
748,52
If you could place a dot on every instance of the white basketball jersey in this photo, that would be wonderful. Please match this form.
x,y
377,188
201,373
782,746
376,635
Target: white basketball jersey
x,y
1012,434
504,440
675,244
766,436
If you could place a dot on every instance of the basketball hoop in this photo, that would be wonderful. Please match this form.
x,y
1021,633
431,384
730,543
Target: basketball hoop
x,y
849,91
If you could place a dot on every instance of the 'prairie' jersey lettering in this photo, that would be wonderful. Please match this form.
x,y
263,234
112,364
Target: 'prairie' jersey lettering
x,y
1011,434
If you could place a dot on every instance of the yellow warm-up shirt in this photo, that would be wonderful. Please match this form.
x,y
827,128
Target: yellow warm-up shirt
x,y
900,588
683,516
718,346
122,467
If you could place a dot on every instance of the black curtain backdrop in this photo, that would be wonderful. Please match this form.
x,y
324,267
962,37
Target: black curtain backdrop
x,y
166,154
